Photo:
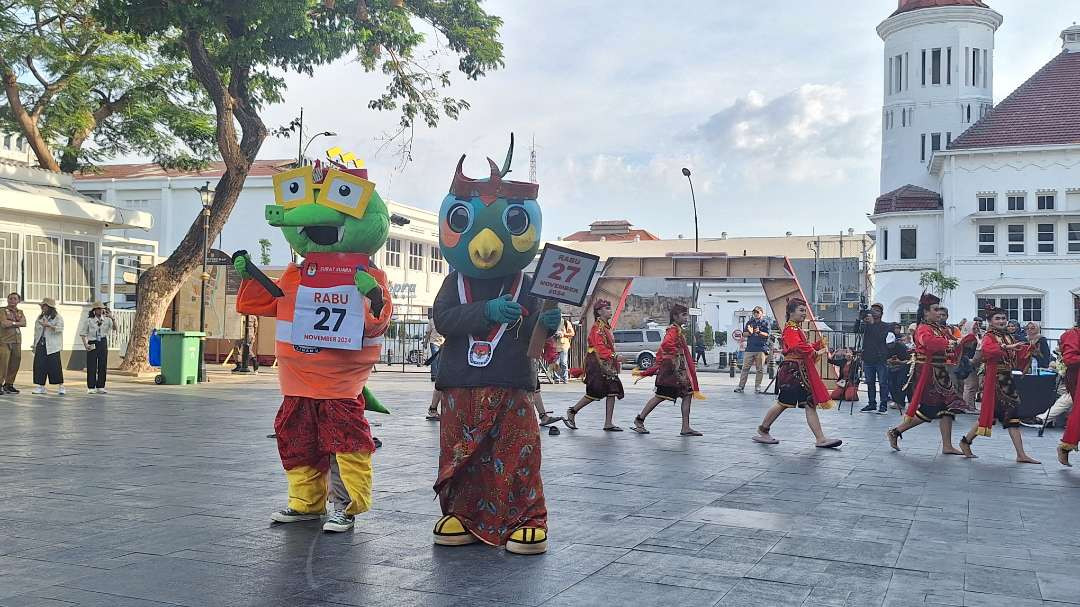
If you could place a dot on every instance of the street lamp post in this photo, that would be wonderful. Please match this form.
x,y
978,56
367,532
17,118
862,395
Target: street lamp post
x,y
303,154
697,249
686,173
207,197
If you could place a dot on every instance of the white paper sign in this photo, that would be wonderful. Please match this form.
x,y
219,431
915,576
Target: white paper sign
x,y
329,317
329,310
564,275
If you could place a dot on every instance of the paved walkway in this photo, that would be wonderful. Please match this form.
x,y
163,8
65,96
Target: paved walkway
x,y
157,495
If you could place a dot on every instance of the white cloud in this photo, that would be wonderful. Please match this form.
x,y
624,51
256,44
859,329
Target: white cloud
x,y
776,111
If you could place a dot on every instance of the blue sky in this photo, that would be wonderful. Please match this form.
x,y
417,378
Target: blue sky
x,y
775,110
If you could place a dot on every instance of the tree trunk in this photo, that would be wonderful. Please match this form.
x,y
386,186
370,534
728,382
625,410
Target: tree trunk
x,y
234,106
160,284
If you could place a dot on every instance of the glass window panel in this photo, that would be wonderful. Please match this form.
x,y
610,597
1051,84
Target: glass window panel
x,y
1016,238
907,243
80,261
42,267
9,263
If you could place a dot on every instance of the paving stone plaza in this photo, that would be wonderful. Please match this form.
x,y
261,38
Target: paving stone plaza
x,y
157,496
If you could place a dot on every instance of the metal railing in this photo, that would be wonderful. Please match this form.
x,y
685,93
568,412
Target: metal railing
x,y
403,342
123,322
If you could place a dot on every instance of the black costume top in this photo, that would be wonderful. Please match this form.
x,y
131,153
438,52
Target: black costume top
x,y
510,366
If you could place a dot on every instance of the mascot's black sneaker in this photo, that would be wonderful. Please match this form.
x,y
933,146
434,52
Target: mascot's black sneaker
x,y
339,522
289,515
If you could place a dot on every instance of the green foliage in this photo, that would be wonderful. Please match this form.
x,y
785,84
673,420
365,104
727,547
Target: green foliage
x,y
86,94
709,338
252,43
264,251
720,338
938,283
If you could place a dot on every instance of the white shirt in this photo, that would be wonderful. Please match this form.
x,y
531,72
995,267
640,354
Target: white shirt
x,y
97,328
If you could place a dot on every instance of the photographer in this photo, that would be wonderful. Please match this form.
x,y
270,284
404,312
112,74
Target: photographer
x,y
874,355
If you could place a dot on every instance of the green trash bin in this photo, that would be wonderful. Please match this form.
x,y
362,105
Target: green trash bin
x,y
179,357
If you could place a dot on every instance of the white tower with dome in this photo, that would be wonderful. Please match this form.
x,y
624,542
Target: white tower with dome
x,y
939,80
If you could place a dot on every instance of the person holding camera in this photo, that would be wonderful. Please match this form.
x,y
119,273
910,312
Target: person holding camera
x,y
757,344
95,332
874,355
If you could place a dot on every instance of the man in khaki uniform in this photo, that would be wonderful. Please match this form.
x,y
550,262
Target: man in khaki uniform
x,y
11,322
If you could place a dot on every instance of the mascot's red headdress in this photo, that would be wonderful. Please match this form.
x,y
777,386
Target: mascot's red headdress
x,y
494,187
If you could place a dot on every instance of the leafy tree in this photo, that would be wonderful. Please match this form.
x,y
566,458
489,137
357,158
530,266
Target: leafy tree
x,y
238,52
709,338
264,251
721,338
80,94
938,282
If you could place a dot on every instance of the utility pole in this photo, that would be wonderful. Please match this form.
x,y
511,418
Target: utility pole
x,y
300,141
840,283
532,160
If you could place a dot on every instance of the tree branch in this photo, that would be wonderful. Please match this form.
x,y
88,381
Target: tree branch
x,y
61,82
27,123
33,70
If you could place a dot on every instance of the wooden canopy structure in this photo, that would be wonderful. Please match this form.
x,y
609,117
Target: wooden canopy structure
x,y
617,276
777,278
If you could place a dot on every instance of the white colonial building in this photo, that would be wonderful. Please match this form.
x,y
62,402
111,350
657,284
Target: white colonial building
x,y
988,195
411,257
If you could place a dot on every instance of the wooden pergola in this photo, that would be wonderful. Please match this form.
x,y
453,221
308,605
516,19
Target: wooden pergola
x,y
777,278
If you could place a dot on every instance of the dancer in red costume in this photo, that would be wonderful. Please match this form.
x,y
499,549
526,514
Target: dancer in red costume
x,y
1002,354
675,371
601,369
1070,355
934,395
797,379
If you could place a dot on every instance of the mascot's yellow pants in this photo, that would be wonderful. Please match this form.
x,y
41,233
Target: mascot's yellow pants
x,y
308,486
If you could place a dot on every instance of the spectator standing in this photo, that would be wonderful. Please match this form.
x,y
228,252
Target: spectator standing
x,y
48,342
12,320
95,333
564,336
1040,347
433,341
699,350
898,363
756,343
252,336
874,355
969,346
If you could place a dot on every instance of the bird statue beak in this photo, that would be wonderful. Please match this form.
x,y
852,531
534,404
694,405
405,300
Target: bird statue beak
x,y
485,250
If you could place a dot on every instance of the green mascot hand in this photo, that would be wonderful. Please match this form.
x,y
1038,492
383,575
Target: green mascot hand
x,y
364,282
369,287
241,266
502,310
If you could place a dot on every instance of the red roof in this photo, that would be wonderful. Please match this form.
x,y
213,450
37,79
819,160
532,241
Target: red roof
x,y
1045,110
906,6
150,170
908,198
633,234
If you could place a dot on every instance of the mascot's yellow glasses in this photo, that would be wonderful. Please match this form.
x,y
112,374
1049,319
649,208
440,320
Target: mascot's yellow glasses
x,y
338,190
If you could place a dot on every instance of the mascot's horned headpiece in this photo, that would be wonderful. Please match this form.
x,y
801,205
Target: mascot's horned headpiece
x,y
494,187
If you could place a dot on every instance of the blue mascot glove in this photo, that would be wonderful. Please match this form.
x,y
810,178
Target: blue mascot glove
x,y
502,310
551,318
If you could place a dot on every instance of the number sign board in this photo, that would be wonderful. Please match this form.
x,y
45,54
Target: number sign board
x,y
564,275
